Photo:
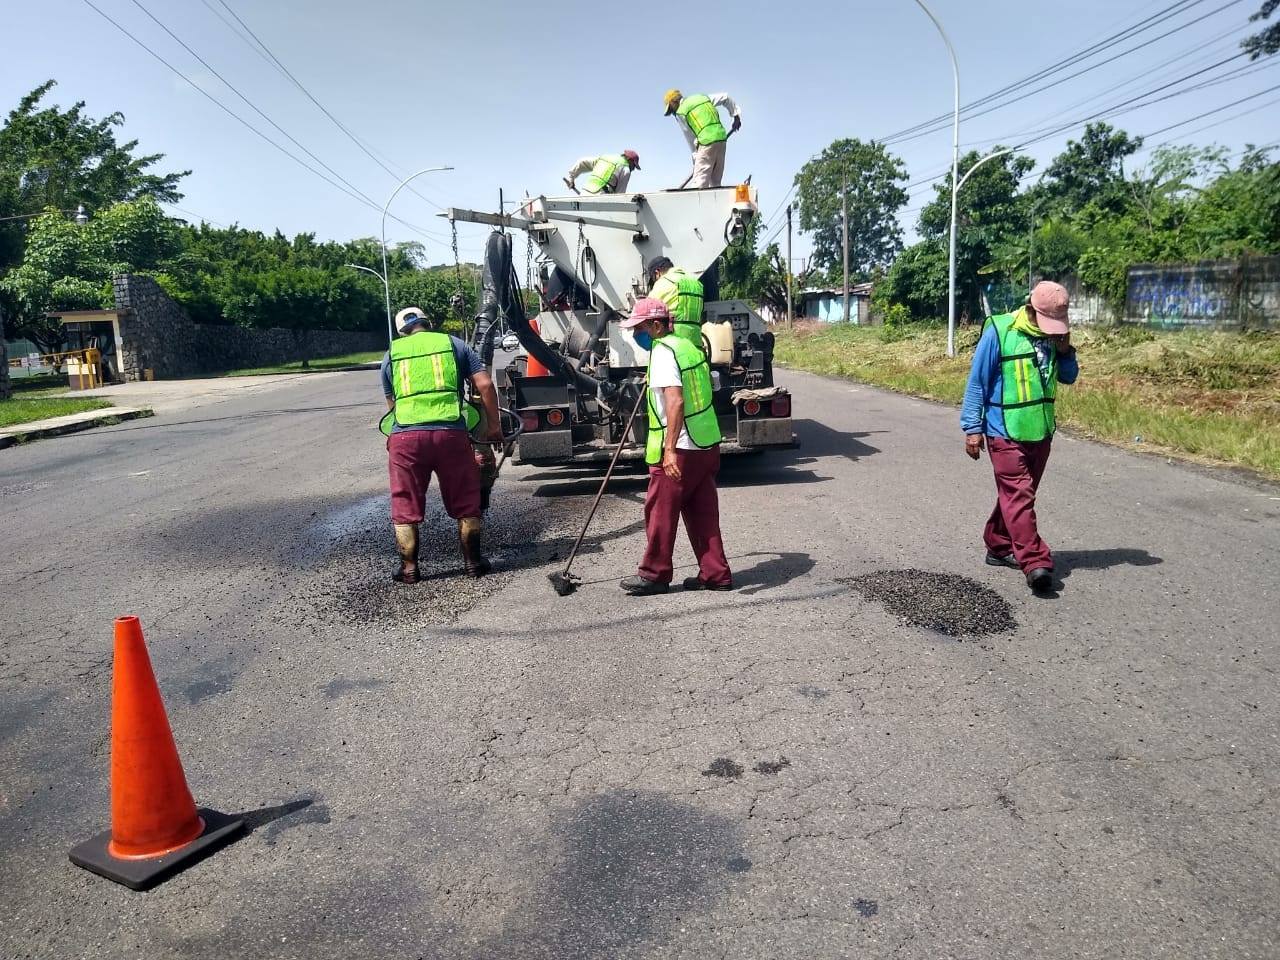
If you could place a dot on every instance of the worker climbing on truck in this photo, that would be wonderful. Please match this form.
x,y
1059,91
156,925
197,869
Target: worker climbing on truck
x,y
699,118
609,173
427,427
682,292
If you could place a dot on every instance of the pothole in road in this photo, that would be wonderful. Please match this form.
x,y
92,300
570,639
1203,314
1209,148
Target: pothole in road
x,y
945,603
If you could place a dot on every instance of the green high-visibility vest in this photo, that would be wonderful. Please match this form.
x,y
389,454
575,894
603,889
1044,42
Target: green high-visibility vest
x,y
699,411
1027,396
600,179
682,293
424,379
703,119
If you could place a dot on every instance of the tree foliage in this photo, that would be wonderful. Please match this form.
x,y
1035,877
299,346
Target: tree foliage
x,y
1089,170
1264,42
872,177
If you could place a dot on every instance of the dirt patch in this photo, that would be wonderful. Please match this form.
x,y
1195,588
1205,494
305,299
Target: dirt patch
x,y
724,768
770,767
945,603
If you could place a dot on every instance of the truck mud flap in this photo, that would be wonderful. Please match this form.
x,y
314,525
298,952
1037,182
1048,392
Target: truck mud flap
x,y
545,446
766,432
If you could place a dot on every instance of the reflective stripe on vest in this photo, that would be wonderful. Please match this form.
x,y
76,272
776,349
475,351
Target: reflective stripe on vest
x,y
699,410
424,378
682,293
1027,396
703,119
600,179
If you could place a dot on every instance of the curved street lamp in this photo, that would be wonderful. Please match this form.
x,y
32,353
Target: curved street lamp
x,y
386,277
955,190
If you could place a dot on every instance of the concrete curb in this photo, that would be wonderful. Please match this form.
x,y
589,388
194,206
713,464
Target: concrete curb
x,y
101,418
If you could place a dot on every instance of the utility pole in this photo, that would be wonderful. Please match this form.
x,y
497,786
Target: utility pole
x,y
844,216
790,315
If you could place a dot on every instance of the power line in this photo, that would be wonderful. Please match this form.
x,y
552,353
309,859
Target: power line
x,y
273,59
239,119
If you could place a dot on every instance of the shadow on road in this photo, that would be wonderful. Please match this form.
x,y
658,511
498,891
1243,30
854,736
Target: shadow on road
x,y
635,866
779,569
1068,560
819,440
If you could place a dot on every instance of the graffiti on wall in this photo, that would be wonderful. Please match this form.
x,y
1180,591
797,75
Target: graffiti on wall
x,y
1217,293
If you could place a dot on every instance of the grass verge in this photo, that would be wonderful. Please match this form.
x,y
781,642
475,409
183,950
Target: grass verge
x,y
1205,396
313,366
28,410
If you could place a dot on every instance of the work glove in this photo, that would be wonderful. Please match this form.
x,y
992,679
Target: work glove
x,y
737,125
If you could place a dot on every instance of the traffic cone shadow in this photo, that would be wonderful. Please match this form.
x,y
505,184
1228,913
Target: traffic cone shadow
x,y
156,829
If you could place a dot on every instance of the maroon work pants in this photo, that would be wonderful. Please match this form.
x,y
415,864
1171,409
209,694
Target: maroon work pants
x,y
1012,529
414,455
693,497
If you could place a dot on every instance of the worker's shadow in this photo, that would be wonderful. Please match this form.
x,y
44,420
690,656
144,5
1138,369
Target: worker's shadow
x,y
819,440
1065,561
780,568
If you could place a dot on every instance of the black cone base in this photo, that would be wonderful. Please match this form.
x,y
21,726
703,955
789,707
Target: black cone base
x,y
219,830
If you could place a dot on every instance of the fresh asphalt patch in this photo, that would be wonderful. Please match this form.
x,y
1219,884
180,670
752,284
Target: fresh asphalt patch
x,y
944,603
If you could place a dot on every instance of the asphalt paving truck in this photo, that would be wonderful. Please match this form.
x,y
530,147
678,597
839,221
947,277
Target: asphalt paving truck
x,y
579,376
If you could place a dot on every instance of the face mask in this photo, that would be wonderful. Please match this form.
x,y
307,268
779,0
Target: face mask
x,y
643,340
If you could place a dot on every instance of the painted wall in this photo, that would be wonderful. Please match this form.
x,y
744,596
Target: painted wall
x,y
1213,294
829,308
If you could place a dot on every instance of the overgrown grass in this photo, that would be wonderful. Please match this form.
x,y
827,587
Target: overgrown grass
x,y
1208,396
28,409
328,363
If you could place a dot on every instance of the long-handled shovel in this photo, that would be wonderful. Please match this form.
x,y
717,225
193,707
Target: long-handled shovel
x,y
563,581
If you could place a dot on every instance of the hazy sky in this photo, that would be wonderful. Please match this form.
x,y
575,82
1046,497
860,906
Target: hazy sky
x,y
511,93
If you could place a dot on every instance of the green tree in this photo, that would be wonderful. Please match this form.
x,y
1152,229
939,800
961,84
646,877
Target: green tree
x,y
68,267
989,212
1090,169
872,178
1264,42
917,281
50,157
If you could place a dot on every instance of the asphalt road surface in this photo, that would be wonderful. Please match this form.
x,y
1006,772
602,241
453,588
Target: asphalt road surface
x,y
801,768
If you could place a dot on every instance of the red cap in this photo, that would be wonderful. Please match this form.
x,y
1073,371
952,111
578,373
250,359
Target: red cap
x,y
633,158
647,308
1049,301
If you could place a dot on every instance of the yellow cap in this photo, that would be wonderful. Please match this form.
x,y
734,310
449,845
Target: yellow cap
x,y
670,97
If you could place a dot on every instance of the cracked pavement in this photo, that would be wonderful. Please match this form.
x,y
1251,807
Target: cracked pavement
x,y
484,769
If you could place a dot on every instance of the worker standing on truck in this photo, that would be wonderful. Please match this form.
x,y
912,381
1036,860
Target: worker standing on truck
x,y
1020,359
422,380
681,291
699,119
683,454
609,174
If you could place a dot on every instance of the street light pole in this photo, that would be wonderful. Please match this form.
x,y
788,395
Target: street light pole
x,y
955,189
386,277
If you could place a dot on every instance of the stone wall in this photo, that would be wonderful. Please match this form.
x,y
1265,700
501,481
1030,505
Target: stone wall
x,y
1211,294
156,334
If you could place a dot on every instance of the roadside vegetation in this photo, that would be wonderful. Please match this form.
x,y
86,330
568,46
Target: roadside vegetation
x,y
24,409
312,366
1207,396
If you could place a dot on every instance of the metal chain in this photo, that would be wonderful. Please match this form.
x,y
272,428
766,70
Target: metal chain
x,y
459,296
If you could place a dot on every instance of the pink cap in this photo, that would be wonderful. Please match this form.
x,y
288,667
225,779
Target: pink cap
x,y
1049,301
647,308
632,158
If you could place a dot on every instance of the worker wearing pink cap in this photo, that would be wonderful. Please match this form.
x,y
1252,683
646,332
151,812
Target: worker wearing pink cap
x,y
683,453
1008,409
610,173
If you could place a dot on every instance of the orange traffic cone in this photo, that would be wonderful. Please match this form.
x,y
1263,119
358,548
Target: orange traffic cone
x,y
535,367
156,829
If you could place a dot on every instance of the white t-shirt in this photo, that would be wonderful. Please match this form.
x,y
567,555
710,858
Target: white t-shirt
x,y
665,372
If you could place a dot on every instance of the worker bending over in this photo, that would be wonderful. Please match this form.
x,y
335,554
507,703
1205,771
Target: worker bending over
x,y
1020,359
683,453
422,379
682,292
609,174
699,119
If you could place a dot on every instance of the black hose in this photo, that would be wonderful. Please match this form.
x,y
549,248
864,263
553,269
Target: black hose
x,y
497,265
487,314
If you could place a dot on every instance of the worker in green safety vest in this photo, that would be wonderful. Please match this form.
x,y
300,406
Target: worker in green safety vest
x,y
427,424
1020,359
606,174
682,293
699,117
682,450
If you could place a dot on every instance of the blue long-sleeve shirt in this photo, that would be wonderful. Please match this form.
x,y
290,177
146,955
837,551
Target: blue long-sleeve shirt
x,y
980,413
